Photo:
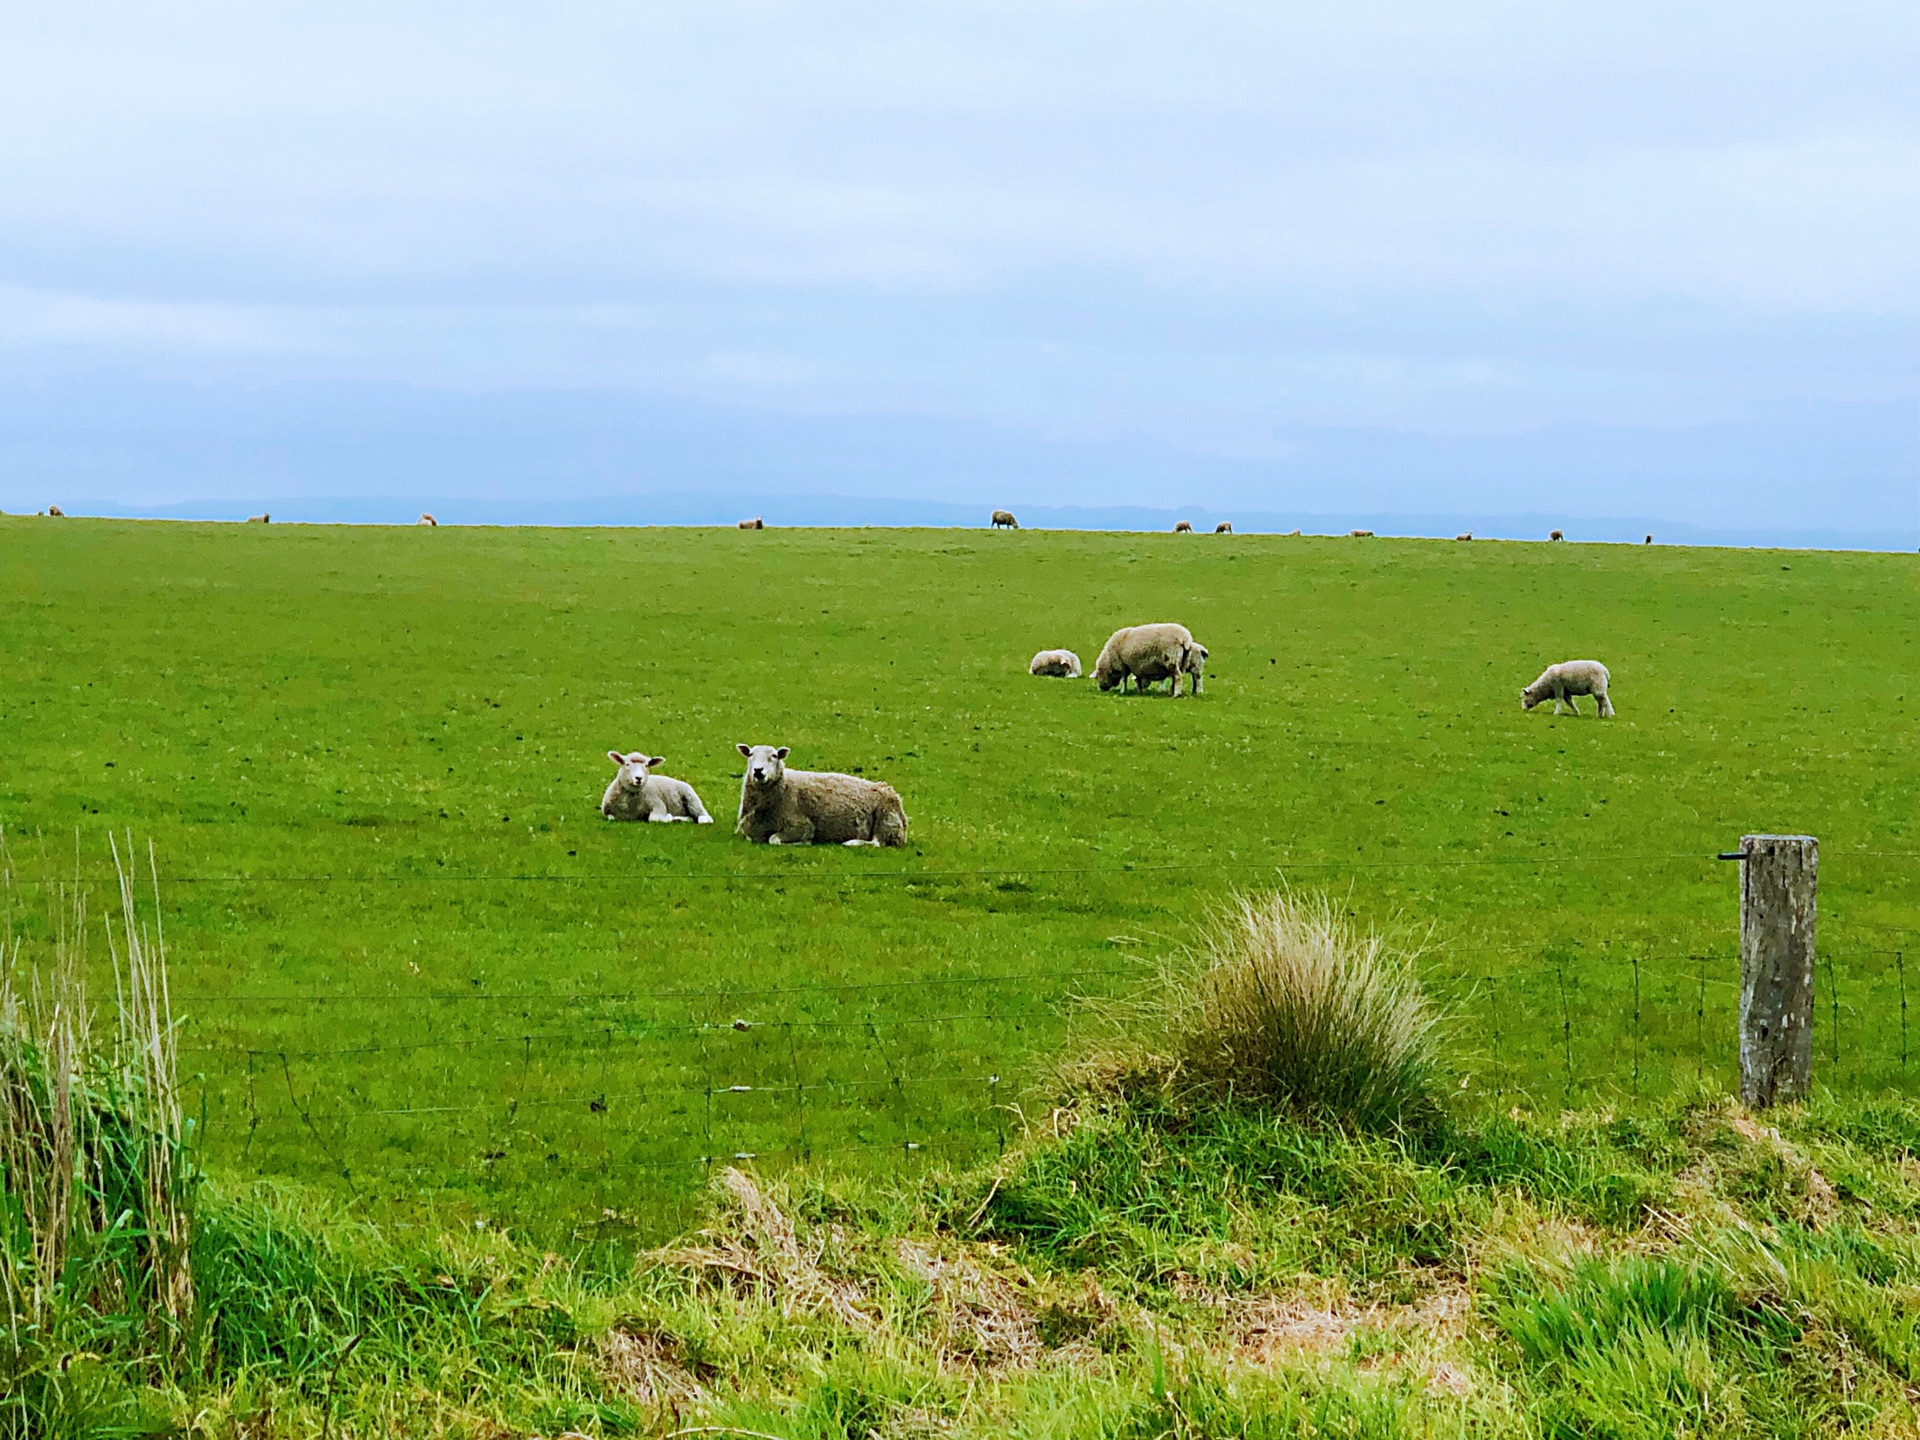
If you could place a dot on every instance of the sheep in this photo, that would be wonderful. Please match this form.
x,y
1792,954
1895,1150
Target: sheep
x,y
756,523
635,794
1556,535
779,806
1361,534
1150,653
1063,663
55,510
1003,520
1293,532
1566,680
1649,539
1184,527
1225,527
1464,535
426,519
259,519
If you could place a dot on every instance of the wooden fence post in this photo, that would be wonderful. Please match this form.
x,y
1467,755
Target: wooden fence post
x,y
1778,887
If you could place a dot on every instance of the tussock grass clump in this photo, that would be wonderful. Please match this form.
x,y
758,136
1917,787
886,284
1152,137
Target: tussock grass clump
x,y
1286,1004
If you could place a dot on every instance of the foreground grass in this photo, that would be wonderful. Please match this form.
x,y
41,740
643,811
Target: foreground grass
x,y
369,760
1679,1268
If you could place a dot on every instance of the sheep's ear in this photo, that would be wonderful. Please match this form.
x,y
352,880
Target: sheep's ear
x,y
744,749
781,753
656,761
616,757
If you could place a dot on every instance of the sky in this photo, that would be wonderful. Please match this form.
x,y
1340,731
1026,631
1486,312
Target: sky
x,y
1639,262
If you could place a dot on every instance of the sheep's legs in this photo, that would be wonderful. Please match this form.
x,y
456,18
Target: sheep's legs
x,y
1606,707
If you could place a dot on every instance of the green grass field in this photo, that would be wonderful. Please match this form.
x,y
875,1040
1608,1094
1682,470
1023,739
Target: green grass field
x,y
369,761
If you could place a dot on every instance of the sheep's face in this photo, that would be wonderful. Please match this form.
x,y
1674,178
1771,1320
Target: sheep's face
x,y
1528,699
633,768
765,763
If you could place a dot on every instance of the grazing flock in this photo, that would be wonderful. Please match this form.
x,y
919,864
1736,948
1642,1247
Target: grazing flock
x,y
783,806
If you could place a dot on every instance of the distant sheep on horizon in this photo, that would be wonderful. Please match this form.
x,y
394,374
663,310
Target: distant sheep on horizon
x,y
1225,527
426,519
260,519
756,523
1003,520
1184,527
1560,683
55,510
1556,535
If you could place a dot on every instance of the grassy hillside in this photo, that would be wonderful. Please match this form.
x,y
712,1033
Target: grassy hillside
x,y
369,762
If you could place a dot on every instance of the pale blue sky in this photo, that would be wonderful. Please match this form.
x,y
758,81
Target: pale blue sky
x,y
1474,259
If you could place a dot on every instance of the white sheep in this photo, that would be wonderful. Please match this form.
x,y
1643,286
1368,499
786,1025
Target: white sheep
x,y
636,794
1062,663
1150,653
779,806
426,519
1564,681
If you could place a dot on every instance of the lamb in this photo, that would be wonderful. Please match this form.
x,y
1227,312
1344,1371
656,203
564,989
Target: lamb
x,y
779,806
426,519
1150,653
1566,680
1225,527
1184,527
259,519
637,795
756,523
1062,663
1003,520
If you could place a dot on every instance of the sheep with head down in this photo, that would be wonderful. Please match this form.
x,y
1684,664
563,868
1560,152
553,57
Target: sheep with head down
x,y
1151,653
1063,664
779,806
638,794
1560,683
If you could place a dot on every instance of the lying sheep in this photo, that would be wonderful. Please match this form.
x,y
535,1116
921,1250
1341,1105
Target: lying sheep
x,y
779,806
1564,681
55,510
258,519
1223,528
1361,534
637,795
1184,527
756,523
1464,535
1062,663
1003,520
426,519
1150,653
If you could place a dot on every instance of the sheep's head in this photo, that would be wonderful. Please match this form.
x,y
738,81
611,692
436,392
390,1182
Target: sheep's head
x,y
634,767
1528,699
765,763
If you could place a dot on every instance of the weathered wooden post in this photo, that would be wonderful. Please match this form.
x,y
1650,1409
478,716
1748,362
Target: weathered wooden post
x,y
1779,879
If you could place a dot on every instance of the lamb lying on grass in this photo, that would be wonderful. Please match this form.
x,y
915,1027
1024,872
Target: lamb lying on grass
x,y
1063,663
779,806
1150,653
1566,680
637,795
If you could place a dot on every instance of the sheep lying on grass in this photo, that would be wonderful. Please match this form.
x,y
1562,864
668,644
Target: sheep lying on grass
x,y
1564,681
1063,663
1150,653
779,806
636,794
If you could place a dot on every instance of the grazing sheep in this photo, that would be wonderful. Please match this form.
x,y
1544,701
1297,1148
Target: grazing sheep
x,y
55,510
426,519
258,519
1151,653
1003,520
1361,534
1464,535
636,794
779,806
1556,535
1293,532
1564,681
1185,527
1062,663
756,523
1223,528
